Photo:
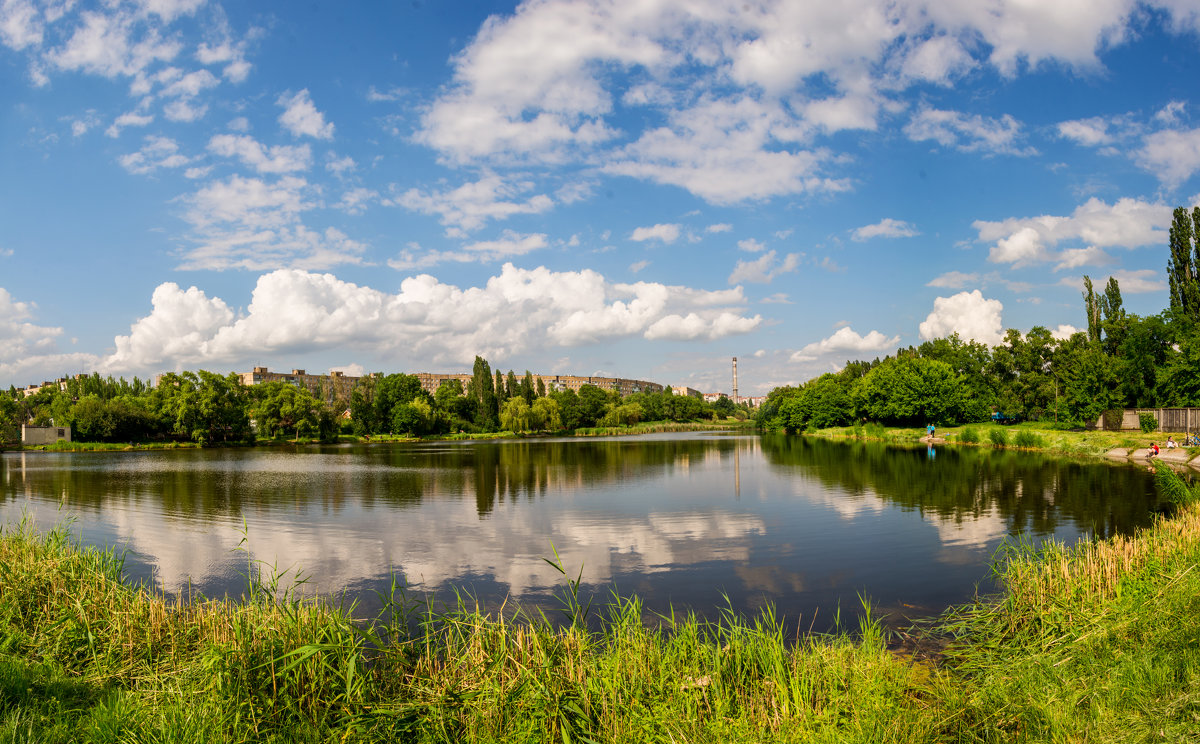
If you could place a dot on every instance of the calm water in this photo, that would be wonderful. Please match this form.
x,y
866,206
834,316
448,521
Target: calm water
x,y
684,520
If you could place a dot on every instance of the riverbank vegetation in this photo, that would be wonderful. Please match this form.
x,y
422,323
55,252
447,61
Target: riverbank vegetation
x,y
1094,642
207,408
1120,360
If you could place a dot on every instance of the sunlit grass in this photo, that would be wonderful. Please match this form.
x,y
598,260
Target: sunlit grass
x,y
1094,642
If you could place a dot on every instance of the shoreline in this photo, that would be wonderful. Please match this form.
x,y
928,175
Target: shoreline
x,y
1061,653
647,428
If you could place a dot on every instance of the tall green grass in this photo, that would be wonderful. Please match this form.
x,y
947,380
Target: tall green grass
x,y
1094,642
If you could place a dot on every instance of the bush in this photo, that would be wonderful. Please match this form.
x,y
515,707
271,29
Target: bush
x,y
1148,422
999,437
968,435
1113,418
1028,440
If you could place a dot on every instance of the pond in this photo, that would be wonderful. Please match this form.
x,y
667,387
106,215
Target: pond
x,y
696,521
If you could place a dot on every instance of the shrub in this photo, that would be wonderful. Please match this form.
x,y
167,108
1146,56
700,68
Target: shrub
x,y
875,430
1148,422
968,435
999,437
1028,440
1113,418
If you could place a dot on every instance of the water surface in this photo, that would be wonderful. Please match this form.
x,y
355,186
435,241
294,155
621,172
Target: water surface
x,y
697,521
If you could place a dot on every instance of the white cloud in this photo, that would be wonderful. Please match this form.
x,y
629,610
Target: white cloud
x,y
1073,258
301,117
112,45
1172,155
129,119
750,245
1132,282
18,336
968,132
1170,114
254,224
720,227
29,352
20,24
845,341
337,165
764,269
470,206
1127,223
886,228
516,311
1091,132
637,266
968,314
1063,331
664,233
510,245
355,201
275,159
953,280
156,152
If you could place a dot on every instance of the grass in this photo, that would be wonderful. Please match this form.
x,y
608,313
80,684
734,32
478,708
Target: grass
x,y
658,427
1094,642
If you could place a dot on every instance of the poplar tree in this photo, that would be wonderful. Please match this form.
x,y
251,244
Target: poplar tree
x,y
1183,267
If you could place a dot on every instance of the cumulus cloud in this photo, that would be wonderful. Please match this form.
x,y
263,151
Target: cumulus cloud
x,y
516,311
750,245
845,342
1172,155
968,132
662,233
129,119
764,269
471,205
886,228
538,84
1127,223
969,314
275,159
301,117
29,352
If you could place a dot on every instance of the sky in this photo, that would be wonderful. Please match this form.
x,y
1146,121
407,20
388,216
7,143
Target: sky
x,y
642,188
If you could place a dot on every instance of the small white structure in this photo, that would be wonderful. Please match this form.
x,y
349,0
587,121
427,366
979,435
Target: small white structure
x,y
44,434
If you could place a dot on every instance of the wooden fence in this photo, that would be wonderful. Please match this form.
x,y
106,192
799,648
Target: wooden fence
x,y
1184,420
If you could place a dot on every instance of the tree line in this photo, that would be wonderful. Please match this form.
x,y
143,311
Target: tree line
x,y
211,408
1121,360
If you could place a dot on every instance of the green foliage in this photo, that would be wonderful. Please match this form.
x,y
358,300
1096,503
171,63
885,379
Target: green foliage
x,y
1113,418
1172,487
910,391
968,435
1027,440
998,437
1148,422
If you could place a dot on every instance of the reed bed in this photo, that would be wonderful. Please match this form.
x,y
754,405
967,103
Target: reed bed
x,y
1095,642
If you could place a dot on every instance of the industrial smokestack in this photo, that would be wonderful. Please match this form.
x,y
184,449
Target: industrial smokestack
x,y
736,401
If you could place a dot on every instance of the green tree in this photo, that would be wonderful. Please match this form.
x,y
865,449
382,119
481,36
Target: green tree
x,y
484,393
515,415
1183,265
544,415
910,391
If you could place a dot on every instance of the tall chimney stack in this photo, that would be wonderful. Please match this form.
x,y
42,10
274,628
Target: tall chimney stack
x,y
735,395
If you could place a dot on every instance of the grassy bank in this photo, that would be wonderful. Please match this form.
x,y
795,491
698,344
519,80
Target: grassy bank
x,y
1091,643
1027,435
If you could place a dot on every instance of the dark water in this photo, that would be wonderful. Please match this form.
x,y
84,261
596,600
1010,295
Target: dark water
x,y
694,521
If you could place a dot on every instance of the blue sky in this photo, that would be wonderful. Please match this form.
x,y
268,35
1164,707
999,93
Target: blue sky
x,y
630,189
